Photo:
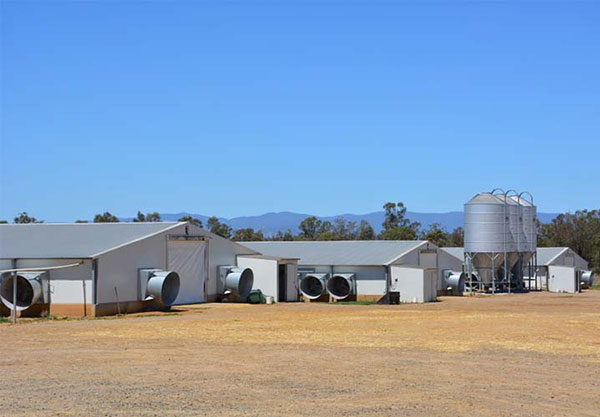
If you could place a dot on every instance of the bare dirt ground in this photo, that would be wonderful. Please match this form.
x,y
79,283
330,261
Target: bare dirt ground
x,y
507,355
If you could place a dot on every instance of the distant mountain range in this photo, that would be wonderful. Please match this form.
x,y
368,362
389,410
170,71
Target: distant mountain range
x,y
271,223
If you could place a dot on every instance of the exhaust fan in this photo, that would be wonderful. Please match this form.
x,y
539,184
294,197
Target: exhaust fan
x,y
312,285
587,279
341,286
235,281
159,285
454,282
32,288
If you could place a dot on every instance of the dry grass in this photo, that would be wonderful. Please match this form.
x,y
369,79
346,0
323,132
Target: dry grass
x,y
524,354
469,325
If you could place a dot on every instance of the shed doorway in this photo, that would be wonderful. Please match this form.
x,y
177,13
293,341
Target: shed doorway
x,y
188,259
282,282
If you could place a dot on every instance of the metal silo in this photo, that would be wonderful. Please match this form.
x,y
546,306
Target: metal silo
x,y
515,225
530,224
487,238
517,222
527,251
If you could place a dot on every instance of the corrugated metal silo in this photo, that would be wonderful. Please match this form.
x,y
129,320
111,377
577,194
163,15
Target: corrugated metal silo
x,y
526,266
515,225
528,226
487,235
485,225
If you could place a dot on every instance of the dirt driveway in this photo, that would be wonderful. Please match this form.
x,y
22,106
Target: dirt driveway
x,y
518,355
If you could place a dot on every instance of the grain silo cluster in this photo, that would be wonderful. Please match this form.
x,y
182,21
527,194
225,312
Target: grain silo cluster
x,y
500,240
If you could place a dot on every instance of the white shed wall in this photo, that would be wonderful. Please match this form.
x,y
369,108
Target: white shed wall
x,y
570,258
6,264
416,285
265,274
446,261
66,285
562,279
119,268
221,252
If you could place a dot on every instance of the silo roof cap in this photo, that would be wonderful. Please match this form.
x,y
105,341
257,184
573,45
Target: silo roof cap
x,y
508,200
521,201
485,198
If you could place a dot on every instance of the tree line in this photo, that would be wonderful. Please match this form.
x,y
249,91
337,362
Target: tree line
x,y
395,227
579,231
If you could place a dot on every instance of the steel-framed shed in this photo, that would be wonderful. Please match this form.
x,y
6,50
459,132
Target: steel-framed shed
x,y
376,265
109,256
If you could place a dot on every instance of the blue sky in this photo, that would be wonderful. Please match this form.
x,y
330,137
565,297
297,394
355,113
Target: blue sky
x,y
244,108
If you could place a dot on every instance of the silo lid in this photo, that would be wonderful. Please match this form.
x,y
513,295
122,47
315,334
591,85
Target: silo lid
x,y
521,201
508,201
484,198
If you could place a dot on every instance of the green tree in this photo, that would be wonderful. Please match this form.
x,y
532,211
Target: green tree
x,y
395,216
436,235
399,233
313,228
106,217
81,221
140,218
192,220
24,218
327,235
3,222
152,216
326,231
218,228
281,236
344,230
310,228
457,238
395,224
248,235
365,231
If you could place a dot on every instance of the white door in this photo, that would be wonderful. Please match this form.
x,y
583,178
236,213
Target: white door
x,y
187,258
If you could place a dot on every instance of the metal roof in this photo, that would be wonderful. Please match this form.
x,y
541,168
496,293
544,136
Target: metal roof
x,y
72,240
341,252
545,256
456,252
